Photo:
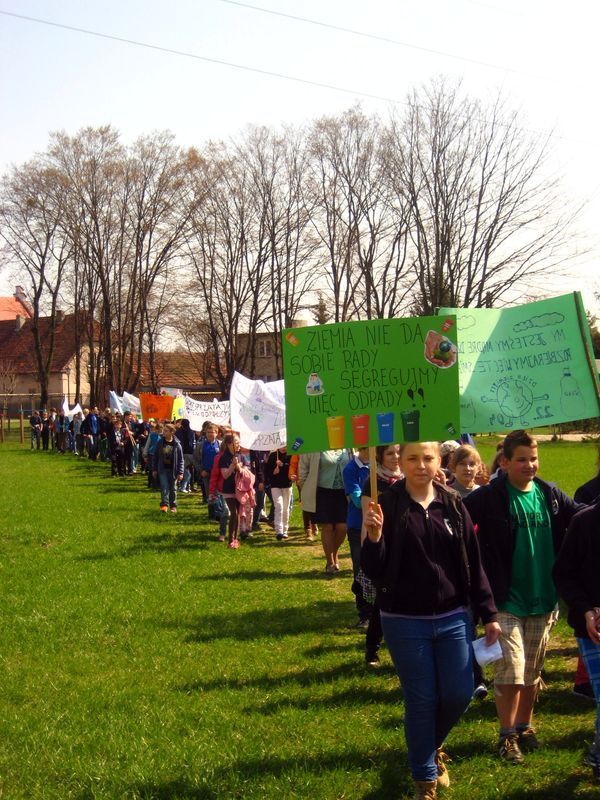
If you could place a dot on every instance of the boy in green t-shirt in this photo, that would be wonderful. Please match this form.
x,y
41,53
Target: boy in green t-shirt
x,y
521,521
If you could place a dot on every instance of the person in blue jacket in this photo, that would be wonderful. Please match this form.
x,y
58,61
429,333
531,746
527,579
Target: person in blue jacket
x,y
354,475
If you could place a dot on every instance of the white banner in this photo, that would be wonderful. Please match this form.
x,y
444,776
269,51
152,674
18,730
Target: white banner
x,y
126,403
70,413
258,412
198,412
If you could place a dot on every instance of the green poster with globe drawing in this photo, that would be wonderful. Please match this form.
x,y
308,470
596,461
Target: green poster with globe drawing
x,y
381,381
526,366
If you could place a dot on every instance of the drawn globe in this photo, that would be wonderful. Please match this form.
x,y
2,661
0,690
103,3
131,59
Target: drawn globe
x,y
514,398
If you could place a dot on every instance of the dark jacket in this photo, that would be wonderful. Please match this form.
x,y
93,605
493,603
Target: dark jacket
x,y
281,479
489,508
257,465
427,561
115,440
176,460
186,437
575,571
589,492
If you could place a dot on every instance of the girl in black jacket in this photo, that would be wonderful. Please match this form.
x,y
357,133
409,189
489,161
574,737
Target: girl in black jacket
x,y
277,468
423,555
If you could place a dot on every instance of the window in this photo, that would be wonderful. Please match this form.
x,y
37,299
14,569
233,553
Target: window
x,y
264,348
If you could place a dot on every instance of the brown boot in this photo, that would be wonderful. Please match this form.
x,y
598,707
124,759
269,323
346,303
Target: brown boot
x,y
425,790
443,778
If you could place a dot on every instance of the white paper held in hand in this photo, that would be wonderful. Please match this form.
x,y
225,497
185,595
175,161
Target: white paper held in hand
x,y
484,654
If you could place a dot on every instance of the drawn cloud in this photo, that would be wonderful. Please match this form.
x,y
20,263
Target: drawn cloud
x,y
464,323
541,321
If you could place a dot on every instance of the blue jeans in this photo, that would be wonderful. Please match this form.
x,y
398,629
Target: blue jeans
x,y
168,489
434,661
224,518
590,653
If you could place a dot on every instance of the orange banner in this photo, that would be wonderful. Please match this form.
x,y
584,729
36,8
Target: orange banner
x,y
156,406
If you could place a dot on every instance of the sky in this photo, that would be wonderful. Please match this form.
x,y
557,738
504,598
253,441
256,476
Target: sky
x,y
543,56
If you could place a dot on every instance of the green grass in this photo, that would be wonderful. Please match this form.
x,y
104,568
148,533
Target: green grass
x,y
142,659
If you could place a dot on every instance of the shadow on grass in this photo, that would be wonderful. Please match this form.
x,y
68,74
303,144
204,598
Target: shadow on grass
x,y
560,790
349,698
264,575
244,777
159,543
308,678
322,616
178,789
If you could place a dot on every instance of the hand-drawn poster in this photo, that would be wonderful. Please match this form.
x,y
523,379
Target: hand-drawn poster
x,y
199,412
525,366
366,383
258,412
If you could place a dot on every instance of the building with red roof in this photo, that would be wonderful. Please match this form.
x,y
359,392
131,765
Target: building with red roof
x,y
19,383
16,306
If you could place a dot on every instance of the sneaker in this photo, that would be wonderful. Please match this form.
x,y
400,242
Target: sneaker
x,y
221,538
584,690
362,624
164,509
443,779
372,659
309,535
592,759
330,569
336,567
173,509
508,747
528,741
481,692
279,536
286,536
232,545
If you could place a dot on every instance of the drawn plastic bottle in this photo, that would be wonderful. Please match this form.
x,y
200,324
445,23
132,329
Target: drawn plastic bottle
x,y
571,399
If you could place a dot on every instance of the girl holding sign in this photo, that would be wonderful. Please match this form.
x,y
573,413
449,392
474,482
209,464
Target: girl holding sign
x,y
422,552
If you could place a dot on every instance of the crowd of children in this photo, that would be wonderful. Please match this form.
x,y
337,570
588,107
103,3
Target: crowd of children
x,y
448,544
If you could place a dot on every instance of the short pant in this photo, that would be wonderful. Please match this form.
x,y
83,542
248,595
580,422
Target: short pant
x,y
523,641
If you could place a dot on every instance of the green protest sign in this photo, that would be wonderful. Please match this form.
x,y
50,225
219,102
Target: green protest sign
x,y
366,383
525,366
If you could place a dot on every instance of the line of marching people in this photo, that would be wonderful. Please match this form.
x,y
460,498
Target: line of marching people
x,y
445,546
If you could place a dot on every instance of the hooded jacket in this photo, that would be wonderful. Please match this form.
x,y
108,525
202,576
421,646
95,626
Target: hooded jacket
x,y
427,561
489,508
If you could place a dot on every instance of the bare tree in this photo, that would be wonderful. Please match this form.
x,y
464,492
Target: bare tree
x,y
31,206
277,165
485,214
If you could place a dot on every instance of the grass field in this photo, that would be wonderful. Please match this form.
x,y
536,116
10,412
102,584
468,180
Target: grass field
x,y
142,659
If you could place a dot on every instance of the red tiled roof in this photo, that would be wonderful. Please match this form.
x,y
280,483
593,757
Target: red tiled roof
x,y
180,370
11,307
16,346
